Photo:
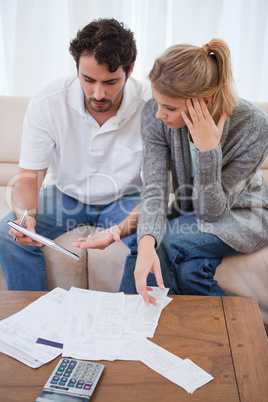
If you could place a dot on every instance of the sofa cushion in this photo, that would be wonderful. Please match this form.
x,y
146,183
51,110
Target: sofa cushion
x,y
62,270
246,275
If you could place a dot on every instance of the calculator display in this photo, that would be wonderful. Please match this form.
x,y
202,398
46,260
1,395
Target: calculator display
x,y
54,396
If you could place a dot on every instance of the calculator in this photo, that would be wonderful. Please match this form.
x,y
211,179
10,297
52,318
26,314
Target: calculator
x,y
71,381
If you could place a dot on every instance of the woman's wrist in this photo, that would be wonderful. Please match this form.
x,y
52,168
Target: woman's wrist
x,y
147,241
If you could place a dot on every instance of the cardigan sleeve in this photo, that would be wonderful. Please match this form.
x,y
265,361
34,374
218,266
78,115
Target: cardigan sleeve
x,y
156,182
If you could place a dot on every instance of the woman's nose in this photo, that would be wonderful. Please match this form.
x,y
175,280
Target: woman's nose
x,y
160,113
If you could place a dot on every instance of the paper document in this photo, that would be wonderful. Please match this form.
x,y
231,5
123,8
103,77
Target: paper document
x,y
184,373
143,319
100,323
86,337
45,319
42,239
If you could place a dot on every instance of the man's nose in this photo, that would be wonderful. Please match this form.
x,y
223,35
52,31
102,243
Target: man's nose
x,y
99,92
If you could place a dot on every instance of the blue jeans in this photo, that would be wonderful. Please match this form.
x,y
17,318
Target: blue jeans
x,y
188,260
24,267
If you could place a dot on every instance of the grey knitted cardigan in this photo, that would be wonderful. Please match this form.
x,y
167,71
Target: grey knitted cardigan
x,y
229,196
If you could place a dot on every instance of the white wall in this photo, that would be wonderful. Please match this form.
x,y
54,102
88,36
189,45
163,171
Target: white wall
x,y
35,35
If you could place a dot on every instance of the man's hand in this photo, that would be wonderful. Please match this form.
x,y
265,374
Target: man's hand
x,y
147,261
205,134
29,223
100,240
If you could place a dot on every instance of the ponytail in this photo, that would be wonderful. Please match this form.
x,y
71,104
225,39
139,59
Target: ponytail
x,y
225,96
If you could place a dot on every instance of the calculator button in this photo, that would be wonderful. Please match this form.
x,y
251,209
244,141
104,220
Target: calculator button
x,y
88,385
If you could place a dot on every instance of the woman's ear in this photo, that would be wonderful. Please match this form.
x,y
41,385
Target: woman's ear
x,y
208,100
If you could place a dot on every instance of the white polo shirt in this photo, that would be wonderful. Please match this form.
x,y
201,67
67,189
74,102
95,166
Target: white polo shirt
x,y
93,164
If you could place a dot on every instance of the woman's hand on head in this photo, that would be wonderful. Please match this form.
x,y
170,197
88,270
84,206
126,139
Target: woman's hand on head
x,y
205,134
147,262
100,240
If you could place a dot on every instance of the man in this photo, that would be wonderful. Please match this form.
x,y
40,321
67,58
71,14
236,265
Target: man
x,y
86,129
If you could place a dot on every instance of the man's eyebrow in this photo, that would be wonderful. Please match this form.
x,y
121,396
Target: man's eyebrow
x,y
92,79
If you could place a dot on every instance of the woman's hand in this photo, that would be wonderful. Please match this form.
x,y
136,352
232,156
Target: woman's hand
x,y
100,240
147,261
205,134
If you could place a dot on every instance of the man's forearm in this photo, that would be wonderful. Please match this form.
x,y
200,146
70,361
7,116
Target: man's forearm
x,y
25,193
129,225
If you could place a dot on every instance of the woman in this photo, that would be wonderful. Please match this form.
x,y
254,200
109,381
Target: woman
x,y
214,144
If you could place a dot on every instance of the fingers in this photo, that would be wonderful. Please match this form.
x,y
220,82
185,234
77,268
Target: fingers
x,y
28,241
159,280
22,239
99,241
148,262
148,299
194,111
221,122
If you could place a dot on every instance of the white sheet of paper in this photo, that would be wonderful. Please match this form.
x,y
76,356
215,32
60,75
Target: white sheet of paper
x,y
79,340
108,314
144,319
20,332
184,373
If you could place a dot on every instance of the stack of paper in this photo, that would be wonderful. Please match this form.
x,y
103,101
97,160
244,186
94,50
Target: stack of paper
x,y
20,332
91,325
101,323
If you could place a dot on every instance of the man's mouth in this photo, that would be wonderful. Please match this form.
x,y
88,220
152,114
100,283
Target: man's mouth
x,y
99,103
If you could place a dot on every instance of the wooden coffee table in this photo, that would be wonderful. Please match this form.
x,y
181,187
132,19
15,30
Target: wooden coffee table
x,y
223,335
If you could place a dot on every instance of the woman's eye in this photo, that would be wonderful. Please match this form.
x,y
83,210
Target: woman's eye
x,y
171,109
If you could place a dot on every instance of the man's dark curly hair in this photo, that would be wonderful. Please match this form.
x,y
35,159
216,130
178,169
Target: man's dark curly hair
x,y
108,41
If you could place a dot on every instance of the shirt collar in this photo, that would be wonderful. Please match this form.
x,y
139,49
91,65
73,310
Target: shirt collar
x,y
129,102
76,97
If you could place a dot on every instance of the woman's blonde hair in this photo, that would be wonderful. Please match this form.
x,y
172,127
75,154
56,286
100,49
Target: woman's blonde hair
x,y
186,71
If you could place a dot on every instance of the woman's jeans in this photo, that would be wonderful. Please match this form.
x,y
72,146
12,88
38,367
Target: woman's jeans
x,y
24,267
188,260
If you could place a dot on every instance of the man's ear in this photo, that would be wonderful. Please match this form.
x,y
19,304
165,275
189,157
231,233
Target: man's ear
x,y
208,100
131,70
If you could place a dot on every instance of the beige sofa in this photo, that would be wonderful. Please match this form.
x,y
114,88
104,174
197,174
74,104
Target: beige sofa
x,y
245,275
